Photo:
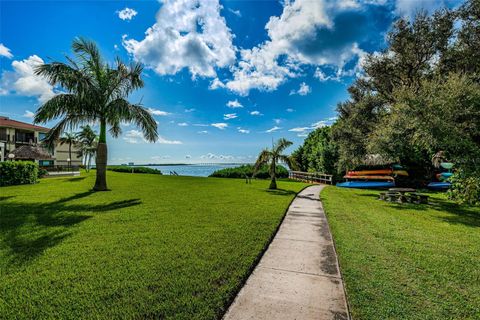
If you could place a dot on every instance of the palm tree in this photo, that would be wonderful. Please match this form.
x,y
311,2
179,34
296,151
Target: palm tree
x,y
70,139
88,140
96,92
272,156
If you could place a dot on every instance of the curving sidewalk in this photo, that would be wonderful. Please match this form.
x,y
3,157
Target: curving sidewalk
x,y
298,277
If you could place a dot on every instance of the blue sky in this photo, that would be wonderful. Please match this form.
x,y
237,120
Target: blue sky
x,y
222,78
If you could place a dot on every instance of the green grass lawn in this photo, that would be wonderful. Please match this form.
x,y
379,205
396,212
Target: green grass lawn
x,y
153,247
406,261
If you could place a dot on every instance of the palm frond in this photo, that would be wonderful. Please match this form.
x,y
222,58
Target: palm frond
x,y
57,106
281,145
289,161
263,158
122,110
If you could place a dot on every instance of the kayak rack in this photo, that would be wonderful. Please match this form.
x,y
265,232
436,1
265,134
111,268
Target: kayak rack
x,y
311,177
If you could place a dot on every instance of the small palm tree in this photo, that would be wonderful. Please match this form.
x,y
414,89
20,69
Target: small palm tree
x,y
97,92
70,139
88,140
272,156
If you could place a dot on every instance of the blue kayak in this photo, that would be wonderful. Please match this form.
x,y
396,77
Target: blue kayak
x,y
439,185
366,184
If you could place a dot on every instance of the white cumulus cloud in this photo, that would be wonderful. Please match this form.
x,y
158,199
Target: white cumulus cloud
x,y
23,80
5,52
162,140
299,36
29,114
127,14
136,136
220,125
188,34
255,113
303,90
275,128
229,116
234,104
156,112
245,131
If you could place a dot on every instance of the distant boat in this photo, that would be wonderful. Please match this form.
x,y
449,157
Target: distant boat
x,y
367,184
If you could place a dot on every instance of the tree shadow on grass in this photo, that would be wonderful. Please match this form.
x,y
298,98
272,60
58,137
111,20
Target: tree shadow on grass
x,y
28,229
76,179
458,214
280,192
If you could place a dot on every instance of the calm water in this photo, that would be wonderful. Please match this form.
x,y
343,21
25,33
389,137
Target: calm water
x,y
197,170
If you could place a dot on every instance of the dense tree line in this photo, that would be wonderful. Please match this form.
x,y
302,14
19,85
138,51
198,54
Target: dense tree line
x,y
418,96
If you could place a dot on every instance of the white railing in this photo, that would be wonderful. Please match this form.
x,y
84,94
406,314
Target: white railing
x,y
311,177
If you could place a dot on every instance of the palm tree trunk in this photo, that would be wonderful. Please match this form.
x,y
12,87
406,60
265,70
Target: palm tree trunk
x,y
88,157
70,155
273,183
101,159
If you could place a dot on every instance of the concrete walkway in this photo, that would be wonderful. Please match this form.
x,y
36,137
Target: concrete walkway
x,y
298,277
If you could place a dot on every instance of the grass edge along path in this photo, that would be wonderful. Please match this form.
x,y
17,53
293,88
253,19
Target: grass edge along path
x,y
149,248
406,261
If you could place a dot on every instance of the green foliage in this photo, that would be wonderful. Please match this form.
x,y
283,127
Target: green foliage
x,y
42,172
398,259
154,247
274,155
465,187
134,169
318,153
419,96
96,91
18,172
248,170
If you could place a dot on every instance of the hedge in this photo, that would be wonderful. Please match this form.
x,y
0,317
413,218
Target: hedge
x,y
241,171
134,169
18,172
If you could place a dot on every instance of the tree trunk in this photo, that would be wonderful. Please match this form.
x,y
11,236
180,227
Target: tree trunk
x,y
88,160
101,159
70,155
273,183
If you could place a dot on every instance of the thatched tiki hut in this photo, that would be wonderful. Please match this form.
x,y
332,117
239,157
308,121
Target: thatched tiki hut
x,y
33,153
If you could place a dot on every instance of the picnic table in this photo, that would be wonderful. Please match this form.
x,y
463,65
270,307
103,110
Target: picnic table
x,y
403,195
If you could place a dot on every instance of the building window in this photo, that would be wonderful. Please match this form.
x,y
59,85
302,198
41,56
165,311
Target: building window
x,y
41,136
45,163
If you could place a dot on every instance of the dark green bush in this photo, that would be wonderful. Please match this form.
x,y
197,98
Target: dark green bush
x,y
247,169
42,172
465,188
134,169
18,172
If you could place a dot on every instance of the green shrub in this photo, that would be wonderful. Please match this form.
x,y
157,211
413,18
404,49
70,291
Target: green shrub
x,y
18,172
465,188
42,172
247,169
134,169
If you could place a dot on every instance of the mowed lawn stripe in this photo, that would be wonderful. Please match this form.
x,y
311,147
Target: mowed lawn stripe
x,y
152,247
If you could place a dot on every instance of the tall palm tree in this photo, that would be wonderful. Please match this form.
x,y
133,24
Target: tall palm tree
x,y
88,140
70,139
272,156
97,92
